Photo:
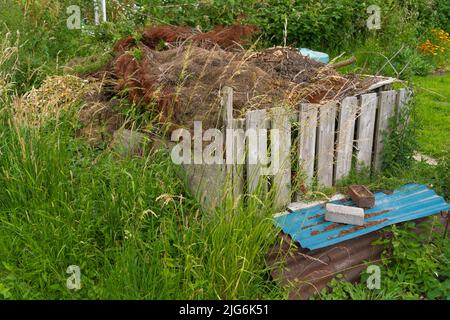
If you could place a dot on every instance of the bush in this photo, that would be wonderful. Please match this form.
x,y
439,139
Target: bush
x,y
45,42
332,26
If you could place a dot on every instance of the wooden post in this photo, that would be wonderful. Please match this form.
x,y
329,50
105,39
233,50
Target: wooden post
x,y
227,116
104,15
239,158
325,143
96,13
234,146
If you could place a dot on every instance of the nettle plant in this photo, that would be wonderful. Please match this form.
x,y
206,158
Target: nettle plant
x,y
401,141
414,265
417,259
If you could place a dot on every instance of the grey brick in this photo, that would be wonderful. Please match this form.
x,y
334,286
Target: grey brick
x,y
344,214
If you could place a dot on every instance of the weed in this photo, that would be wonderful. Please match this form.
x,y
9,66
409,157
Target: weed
x,y
401,141
413,266
137,54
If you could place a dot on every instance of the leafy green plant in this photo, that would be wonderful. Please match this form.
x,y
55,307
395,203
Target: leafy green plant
x,y
401,141
413,266
137,54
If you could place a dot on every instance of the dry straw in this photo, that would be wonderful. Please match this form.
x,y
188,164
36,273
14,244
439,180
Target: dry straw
x,y
56,95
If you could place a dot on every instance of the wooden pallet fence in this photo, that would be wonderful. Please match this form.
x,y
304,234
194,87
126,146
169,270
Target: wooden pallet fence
x,y
332,138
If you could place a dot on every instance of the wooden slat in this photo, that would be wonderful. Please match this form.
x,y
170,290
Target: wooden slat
x,y
234,140
239,158
325,143
280,150
346,128
227,114
307,139
385,111
207,183
365,129
254,120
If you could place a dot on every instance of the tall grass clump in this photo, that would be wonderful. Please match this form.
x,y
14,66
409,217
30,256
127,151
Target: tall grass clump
x,y
128,223
8,65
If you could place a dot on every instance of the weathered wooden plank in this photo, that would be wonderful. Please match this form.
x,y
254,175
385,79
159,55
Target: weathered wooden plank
x,y
325,143
365,129
346,128
239,158
378,85
307,139
227,116
207,183
385,112
281,160
255,120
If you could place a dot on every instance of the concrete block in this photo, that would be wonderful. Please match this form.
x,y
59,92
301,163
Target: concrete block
x,y
344,214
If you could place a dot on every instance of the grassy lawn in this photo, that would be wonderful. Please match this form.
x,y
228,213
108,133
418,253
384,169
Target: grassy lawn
x,y
433,108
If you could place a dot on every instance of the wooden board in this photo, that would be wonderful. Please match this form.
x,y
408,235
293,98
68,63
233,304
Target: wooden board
x,y
234,147
365,129
239,159
207,183
227,115
325,143
254,120
307,139
344,145
385,111
281,149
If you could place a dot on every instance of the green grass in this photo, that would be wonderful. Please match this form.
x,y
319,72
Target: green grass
x,y
128,223
433,112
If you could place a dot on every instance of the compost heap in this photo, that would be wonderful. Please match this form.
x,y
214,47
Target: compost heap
x,y
179,73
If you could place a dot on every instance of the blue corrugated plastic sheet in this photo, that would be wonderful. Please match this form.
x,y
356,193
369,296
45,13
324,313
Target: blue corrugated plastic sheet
x,y
409,202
